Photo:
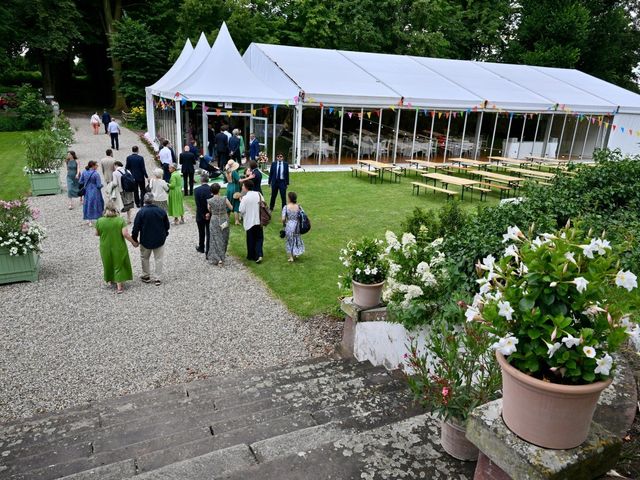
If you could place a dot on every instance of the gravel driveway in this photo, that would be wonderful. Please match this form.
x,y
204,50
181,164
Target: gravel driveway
x,y
69,339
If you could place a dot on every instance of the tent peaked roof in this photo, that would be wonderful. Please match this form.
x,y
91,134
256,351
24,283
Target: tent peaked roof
x,y
200,52
187,50
224,76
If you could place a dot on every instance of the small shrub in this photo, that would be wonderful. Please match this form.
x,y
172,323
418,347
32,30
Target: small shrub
x,y
31,109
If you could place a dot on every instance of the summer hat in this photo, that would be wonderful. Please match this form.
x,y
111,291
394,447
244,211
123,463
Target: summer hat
x,y
232,165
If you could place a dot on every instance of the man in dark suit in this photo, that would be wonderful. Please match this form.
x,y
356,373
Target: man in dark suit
x,y
135,164
106,119
210,140
279,180
188,162
201,195
222,147
254,147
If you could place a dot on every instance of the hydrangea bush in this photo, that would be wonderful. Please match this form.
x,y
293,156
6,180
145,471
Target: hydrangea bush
x,y
417,283
559,304
18,234
365,262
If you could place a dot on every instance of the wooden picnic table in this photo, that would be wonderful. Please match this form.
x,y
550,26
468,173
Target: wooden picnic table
x,y
426,164
547,159
508,179
469,162
510,161
464,183
531,173
377,166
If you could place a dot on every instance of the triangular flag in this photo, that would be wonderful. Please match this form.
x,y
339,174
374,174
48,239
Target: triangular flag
x,y
359,114
183,101
253,112
393,109
321,105
630,132
475,109
193,105
439,114
409,104
455,114
614,126
295,99
340,113
286,102
433,113
621,129
265,110
446,114
350,114
330,110
368,114
229,112
205,108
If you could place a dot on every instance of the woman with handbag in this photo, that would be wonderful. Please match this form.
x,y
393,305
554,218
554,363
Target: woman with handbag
x,y
293,243
218,226
93,204
73,175
124,200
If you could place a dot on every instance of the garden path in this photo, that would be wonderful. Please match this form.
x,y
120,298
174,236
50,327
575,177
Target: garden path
x,y
68,339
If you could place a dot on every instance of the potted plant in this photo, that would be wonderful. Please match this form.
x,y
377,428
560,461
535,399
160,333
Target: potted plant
x,y
452,374
45,154
559,305
366,266
20,241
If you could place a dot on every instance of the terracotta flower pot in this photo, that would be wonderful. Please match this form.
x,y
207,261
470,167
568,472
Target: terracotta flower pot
x,y
367,295
547,414
455,443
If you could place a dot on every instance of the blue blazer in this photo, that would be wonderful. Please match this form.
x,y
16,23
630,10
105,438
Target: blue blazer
x,y
273,172
135,164
254,149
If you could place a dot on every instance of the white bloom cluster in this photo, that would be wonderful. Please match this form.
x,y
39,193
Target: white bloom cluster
x,y
597,245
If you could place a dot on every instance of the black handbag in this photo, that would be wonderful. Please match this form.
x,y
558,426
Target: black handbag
x,y
83,188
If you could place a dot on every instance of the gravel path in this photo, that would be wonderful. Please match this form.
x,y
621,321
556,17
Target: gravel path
x,y
68,339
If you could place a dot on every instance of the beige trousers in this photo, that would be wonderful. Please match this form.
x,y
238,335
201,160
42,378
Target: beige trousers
x,y
158,256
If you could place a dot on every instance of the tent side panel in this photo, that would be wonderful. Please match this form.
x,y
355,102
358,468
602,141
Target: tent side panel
x,y
267,71
628,144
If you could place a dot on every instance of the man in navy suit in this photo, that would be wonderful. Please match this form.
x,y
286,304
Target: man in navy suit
x,y
279,180
135,164
222,147
254,147
106,119
201,195
188,162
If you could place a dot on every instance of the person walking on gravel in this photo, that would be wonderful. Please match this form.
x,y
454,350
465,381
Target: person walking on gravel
x,y
114,131
176,206
95,123
106,118
152,225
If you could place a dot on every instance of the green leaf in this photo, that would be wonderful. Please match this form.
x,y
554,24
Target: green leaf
x,y
526,304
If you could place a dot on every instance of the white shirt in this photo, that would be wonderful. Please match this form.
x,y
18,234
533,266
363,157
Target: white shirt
x,y
165,156
250,210
226,132
113,127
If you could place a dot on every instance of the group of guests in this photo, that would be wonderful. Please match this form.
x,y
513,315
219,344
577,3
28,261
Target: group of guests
x,y
227,145
111,127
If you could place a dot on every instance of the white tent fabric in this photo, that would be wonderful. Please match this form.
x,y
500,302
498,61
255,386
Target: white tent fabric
x,y
336,78
223,76
175,69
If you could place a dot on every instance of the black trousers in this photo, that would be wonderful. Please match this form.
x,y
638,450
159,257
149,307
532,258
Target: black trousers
x,y
280,186
203,235
105,127
115,143
188,182
223,158
255,240
138,193
166,176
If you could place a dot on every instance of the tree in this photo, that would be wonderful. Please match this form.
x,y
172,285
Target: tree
x,y
112,13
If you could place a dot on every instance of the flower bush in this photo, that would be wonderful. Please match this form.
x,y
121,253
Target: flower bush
x,y
417,283
44,151
365,262
457,372
137,118
559,304
18,234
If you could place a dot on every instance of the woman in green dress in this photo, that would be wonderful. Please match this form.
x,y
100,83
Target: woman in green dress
x,y
176,208
233,187
112,230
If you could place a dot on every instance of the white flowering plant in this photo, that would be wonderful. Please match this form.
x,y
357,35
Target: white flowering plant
x,y
558,304
418,280
18,232
365,262
45,152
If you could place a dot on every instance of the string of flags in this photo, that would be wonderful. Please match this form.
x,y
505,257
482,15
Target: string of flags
x,y
169,104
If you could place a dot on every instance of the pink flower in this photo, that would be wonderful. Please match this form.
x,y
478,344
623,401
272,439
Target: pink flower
x,y
25,227
445,391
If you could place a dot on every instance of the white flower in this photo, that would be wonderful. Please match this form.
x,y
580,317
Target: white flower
x,y
485,288
346,263
589,249
571,341
601,245
511,251
513,233
367,270
471,313
374,271
391,238
488,263
358,253
604,364
422,268
506,346
538,242
408,239
358,271
477,300
437,242
505,310
626,280
551,349
523,269
570,256
631,329
549,236
581,284
589,352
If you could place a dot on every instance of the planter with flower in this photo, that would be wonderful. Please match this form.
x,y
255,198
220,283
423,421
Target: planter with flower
x,y
45,155
366,266
559,305
20,241
455,373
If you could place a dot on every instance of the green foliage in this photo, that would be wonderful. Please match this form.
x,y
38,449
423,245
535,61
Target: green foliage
x,y
137,118
15,183
364,261
31,109
44,152
18,234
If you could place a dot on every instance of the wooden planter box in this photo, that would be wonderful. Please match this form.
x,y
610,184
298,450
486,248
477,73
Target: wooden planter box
x,y
45,184
18,268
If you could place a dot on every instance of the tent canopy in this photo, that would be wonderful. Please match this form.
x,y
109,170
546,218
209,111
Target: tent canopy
x,y
175,69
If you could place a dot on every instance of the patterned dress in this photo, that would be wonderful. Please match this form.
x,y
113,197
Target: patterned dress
x,y
73,185
293,241
93,204
176,208
113,250
219,237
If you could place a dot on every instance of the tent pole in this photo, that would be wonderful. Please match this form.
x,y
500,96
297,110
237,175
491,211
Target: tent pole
x,y
298,147
151,120
379,130
433,121
546,142
415,127
273,137
340,139
478,132
446,140
320,137
573,139
524,123
359,134
586,135
178,144
564,123
604,135
504,153
395,144
493,137
205,132
464,132
535,135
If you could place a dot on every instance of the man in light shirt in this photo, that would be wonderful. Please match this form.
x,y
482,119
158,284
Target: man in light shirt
x,y
250,211
114,131
166,159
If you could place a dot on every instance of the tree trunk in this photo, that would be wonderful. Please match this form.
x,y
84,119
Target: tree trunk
x,y
112,12
48,84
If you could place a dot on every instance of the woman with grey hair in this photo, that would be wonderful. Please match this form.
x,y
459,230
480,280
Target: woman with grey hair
x,y
160,189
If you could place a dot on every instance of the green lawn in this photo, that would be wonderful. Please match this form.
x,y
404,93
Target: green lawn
x,y
340,208
13,182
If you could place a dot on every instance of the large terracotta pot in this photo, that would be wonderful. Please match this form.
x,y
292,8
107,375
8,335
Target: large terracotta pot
x,y
455,443
547,414
367,295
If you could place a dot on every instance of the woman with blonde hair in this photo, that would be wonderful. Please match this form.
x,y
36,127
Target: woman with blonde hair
x,y
112,230
160,189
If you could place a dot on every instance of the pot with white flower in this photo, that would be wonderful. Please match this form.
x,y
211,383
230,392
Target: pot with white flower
x,y
559,305
366,266
45,155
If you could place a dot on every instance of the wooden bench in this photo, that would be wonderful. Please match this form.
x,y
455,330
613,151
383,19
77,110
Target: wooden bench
x,y
417,170
457,168
397,174
417,185
501,188
373,176
483,191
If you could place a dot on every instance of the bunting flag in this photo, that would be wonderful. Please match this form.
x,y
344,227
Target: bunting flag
x,y
446,114
393,109
321,105
439,115
475,109
369,115
295,99
194,105
229,112
409,105
183,101
330,110
360,115
433,113
614,126
286,102
265,110
340,113
253,112
377,112
205,108
455,114
350,114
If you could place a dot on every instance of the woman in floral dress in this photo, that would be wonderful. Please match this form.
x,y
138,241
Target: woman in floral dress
x,y
218,226
93,204
291,221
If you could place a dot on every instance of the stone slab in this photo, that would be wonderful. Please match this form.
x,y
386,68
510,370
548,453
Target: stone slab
x,y
520,459
358,314
114,471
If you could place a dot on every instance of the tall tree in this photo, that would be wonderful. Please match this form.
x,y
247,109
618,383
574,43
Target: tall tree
x,y
112,13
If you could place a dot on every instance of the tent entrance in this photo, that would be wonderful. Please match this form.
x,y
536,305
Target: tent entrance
x,y
260,127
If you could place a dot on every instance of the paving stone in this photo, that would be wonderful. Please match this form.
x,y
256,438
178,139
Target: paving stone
x,y
114,471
